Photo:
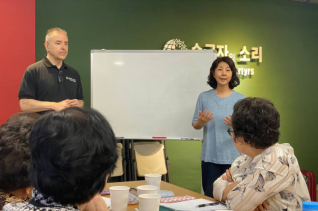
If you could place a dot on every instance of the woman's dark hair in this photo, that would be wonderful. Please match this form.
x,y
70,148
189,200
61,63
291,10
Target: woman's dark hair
x,y
14,151
234,82
257,121
72,152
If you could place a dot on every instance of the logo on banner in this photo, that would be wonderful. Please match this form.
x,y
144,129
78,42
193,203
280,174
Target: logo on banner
x,y
241,58
175,44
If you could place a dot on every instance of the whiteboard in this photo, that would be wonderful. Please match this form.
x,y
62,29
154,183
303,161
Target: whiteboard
x,y
150,94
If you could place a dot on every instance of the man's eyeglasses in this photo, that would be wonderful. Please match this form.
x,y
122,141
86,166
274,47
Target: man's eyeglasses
x,y
229,131
60,76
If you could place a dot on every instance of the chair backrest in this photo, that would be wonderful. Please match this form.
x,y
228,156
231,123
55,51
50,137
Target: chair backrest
x,y
118,171
150,159
310,178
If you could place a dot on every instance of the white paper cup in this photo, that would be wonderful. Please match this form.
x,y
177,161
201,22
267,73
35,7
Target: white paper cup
x,y
153,179
146,189
149,202
119,197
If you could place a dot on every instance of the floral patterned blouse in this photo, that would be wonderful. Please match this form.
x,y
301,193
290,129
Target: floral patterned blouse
x,y
39,202
274,176
6,198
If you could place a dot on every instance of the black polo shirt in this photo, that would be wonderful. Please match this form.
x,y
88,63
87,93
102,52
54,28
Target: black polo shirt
x,y
40,82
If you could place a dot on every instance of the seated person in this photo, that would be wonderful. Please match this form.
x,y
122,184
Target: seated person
x,y
73,151
267,172
15,185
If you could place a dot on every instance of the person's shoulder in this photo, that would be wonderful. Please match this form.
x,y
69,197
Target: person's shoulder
x,y
238,95
16,206
209,93
283,149
35,66
279,158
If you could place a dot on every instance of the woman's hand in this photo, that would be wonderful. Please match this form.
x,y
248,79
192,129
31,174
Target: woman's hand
x,y
262,207
228,120
228,175
230,186
205,117
202,119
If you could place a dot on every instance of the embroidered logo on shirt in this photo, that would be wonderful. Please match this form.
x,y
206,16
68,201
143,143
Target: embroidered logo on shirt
x,y
71,79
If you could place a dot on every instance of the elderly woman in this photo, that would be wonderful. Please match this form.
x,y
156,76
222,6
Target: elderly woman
x,y
72,153
15,185
267,173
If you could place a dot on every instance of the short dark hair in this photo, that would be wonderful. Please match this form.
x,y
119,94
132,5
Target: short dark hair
x,y
72,152
14,151
234,82
257,121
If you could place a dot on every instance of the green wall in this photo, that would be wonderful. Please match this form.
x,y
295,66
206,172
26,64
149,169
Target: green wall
x,y
287,31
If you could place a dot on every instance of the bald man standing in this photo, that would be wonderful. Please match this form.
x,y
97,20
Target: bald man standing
x,y
50,84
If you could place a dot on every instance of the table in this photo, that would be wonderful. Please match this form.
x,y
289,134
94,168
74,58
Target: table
x,y
178,191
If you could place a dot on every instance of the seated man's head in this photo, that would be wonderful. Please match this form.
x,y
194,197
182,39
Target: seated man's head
x,y
14,151
72,153
255,122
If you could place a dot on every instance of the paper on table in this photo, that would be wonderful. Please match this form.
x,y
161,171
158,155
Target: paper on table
x,y
107,200
191,205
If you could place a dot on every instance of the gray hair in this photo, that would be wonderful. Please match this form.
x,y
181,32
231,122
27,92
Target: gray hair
x,y
50,32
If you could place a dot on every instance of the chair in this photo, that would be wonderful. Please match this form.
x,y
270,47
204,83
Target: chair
x,y
149,158
119,170
310,178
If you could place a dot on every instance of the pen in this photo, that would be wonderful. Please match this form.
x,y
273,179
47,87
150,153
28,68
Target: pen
x,y
208,204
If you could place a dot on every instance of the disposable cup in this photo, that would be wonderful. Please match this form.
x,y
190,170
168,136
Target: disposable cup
x,y
119,197
153,179
149,202
146,189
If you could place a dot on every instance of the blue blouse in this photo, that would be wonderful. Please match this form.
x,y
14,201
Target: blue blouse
x,y
218,146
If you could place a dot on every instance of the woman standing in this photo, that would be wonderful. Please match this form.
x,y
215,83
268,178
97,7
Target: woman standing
x,y
213,113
